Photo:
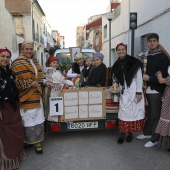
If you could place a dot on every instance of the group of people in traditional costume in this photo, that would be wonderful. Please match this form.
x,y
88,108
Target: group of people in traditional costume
x,y
151,115
21,97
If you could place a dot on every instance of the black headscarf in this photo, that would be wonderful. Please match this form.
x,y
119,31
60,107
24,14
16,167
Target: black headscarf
x,y
126,69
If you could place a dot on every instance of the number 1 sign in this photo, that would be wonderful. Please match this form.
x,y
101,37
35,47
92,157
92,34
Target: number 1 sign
x,y
56,106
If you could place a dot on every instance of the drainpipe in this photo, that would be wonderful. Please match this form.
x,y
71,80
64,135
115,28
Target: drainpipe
x,y
32,2
129,32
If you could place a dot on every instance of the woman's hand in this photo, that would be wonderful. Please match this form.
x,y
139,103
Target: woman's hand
x,y
35,84
78,75
139,97
0,115
161,80
159,74
50,84
145,77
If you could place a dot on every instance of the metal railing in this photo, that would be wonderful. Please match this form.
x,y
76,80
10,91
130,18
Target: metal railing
x,y
116,12
35,36
41,40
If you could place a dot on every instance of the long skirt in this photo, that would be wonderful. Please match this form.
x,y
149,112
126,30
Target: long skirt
x,y
163,127
131,126
11,138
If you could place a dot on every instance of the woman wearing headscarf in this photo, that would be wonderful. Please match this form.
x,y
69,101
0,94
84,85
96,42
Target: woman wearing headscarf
x,y
127,70
29,80
11,128
97,75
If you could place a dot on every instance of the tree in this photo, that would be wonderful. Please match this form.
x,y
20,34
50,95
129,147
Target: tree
x,y
53,49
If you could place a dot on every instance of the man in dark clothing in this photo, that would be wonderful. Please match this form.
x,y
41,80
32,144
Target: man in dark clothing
x,y
156,61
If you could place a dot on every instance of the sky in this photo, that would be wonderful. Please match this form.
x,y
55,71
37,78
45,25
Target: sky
x,y
66,15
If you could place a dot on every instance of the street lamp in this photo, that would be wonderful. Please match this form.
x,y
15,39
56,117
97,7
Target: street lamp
x,y
109,16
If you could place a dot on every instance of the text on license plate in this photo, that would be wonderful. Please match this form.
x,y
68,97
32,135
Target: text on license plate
x,y
82,125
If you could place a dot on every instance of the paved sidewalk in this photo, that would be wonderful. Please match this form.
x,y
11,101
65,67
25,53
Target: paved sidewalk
x,y
95,150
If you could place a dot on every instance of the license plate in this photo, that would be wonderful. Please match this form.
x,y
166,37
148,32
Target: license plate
x,y
82,125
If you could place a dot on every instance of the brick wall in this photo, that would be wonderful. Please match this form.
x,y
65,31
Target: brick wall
x,y
18,6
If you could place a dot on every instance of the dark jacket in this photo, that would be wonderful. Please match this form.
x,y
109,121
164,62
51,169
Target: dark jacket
x,y
97,76
156,62
86,72
76,68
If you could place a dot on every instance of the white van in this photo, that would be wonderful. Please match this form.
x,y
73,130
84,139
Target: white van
x,y
63,55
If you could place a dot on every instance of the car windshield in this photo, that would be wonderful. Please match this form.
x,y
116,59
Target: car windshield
x,y
66,58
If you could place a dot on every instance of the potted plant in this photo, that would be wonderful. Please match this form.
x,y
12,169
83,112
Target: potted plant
x,y
64,66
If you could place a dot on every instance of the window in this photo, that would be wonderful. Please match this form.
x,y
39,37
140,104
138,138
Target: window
x,y
19,46
105,31
37,33
65,56
144,43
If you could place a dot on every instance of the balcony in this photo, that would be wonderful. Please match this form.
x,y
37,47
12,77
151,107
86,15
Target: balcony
x,y
35,36
41,40
116,12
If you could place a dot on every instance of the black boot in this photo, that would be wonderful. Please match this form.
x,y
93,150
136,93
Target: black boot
x,y
129,137
121,138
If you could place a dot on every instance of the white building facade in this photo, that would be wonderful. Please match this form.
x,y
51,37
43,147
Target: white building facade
x,y
48,41
14,29
153,16
21,21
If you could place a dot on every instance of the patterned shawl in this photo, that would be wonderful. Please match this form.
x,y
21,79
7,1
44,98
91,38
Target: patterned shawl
x,y
8,90
25,75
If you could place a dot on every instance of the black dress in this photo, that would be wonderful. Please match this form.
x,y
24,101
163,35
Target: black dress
x,y
97,77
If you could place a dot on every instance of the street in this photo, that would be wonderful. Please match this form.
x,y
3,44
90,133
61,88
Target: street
x,y
95,150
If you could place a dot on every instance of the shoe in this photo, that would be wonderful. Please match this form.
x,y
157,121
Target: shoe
x,y
120,140
143,137
129,138
151,144
39,150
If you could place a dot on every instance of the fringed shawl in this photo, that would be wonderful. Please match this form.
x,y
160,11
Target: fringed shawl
x,y
126,69
8,90
25,75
